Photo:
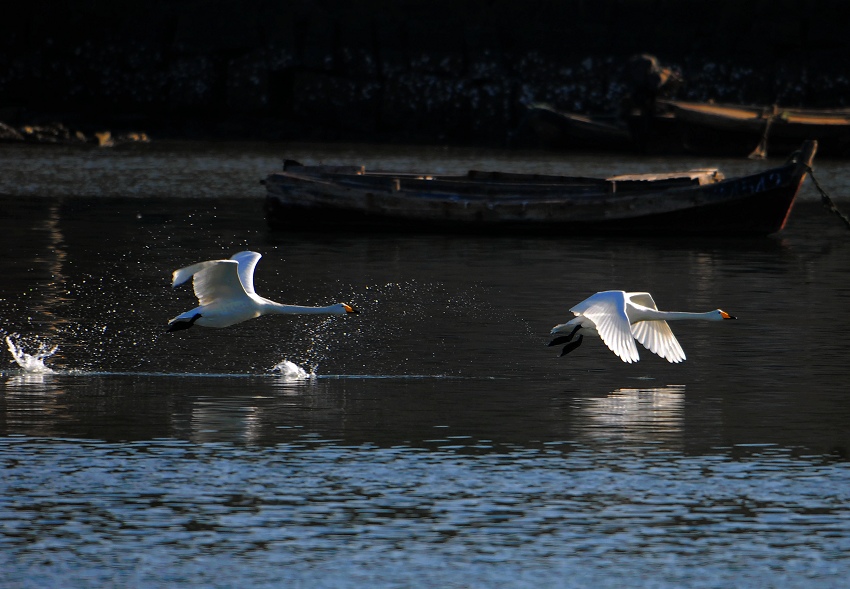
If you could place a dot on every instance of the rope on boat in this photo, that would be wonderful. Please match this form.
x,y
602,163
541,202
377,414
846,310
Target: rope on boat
x,y
826,201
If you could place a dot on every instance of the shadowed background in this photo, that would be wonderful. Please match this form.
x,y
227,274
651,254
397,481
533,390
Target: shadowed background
x,y
434,71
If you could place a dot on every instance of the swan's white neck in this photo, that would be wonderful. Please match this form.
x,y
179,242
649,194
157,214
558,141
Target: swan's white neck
x,y
279,309
709,316
653,315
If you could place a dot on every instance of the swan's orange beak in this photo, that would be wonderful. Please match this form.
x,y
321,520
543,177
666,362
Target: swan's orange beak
x,y
350,309
726,315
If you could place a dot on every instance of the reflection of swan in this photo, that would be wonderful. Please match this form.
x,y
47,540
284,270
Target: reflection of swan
x,y
225,290
637,414
219,419
619,318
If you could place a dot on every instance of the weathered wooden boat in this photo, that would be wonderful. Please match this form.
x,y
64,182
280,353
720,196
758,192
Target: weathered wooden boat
x,y
546,127
741,130
348,198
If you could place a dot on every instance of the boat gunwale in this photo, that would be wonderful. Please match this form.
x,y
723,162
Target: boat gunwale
x,y
503,184
735,116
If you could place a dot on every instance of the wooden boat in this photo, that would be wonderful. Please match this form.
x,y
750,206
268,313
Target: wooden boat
x,y
741,130
546,127
348,198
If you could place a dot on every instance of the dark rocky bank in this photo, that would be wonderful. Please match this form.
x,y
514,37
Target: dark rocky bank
x,y
407,71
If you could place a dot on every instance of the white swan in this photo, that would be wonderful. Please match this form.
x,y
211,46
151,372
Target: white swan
x,y
619,318
225,291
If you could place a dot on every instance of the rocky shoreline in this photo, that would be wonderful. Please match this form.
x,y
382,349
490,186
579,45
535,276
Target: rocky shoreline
x,y
436,72
60,134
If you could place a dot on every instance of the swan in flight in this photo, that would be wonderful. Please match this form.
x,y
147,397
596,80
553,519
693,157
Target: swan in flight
x,y
619,318
225,291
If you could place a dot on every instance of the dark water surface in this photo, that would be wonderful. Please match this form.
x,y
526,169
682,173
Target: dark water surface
x,y
439,442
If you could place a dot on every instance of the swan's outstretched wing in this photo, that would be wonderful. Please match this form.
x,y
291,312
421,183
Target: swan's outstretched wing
x,y
247,262
642,298
182,275
655,336
658,338
214,280
607,310
217,282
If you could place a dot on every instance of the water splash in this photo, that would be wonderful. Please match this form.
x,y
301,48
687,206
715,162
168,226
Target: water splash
x,y
317,337
290,371
31,363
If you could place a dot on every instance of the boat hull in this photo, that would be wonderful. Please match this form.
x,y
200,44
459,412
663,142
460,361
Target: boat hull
x,y
321,200
544,127
739,130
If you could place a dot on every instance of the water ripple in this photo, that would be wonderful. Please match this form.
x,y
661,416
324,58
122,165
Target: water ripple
x,y
167,512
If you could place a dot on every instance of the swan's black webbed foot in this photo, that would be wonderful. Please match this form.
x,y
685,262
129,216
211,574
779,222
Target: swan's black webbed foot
x,y
571,346
183,323
564,338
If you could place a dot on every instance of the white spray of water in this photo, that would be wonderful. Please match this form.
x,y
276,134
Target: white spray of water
x,y
291,371
31,363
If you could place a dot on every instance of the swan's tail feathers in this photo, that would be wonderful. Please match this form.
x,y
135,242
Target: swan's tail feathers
x,y
179,324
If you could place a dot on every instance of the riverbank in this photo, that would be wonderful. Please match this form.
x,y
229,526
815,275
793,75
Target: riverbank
x,y
432,72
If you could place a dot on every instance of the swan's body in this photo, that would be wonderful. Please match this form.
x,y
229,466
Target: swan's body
x,y
225,291
619,318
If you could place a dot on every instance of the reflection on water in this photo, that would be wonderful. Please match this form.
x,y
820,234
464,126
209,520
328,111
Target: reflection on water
x,y
633,415
29,382
432,441
55,291
214,420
